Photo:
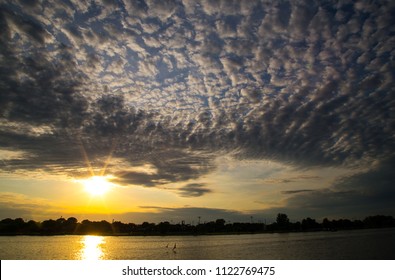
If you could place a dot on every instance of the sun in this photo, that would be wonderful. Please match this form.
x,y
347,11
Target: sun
x,y
97,185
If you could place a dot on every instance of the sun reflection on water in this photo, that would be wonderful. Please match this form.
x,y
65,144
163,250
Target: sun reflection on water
x,y
92,247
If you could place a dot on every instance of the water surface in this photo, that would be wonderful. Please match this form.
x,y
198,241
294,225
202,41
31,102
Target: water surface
x,y
356,244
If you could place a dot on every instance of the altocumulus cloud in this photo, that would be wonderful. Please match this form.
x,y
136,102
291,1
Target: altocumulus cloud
x,y
175,84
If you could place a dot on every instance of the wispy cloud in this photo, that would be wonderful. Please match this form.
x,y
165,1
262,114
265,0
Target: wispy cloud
x,y
296,191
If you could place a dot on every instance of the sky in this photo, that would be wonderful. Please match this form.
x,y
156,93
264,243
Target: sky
x,y
197,110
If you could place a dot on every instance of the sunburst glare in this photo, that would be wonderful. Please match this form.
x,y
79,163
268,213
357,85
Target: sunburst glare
x,y
97,185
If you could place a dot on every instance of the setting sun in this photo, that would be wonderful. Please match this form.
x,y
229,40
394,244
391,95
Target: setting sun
x,y
97,185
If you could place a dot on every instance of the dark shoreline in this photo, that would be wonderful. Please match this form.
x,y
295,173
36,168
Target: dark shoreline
x,y
190,234
71,226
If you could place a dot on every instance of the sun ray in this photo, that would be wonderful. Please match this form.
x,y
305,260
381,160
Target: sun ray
x,y
85,155
97,185
113,146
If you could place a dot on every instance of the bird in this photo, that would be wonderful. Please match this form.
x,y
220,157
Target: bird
x,y
175,246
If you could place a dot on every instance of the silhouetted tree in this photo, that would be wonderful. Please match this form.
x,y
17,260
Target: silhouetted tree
x,y
379,221
297,226
32,227
72,220
71,226
220,222
309,224
326,224
147,228
164,227
11,226
49,227
282,221
105,227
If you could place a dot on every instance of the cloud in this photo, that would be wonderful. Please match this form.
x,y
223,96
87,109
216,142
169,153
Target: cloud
x,y
170,167
176,85
163,9
296,191
370,190
26,26
193,190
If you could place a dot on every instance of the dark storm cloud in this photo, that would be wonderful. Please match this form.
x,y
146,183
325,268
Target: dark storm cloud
x,y
175,84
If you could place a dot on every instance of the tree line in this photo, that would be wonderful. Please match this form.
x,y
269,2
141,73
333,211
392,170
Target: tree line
x,y
71,225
